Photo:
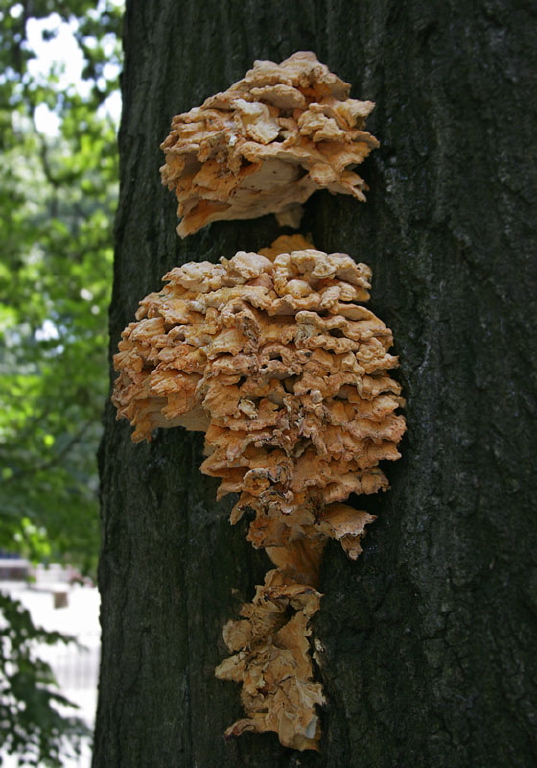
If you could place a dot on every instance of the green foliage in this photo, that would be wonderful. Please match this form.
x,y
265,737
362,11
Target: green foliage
x,y
57,199
30,722
58,192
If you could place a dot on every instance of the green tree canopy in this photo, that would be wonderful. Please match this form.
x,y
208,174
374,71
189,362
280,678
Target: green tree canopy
x,y
58,189
57,196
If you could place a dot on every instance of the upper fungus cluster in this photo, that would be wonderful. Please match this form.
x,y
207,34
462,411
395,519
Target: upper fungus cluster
x,y
266,144
285,370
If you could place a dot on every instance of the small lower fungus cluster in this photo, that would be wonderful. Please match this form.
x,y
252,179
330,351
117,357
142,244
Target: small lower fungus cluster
x,y
266,144
275,358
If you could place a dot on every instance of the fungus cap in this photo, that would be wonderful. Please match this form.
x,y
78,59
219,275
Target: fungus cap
x,y
266,144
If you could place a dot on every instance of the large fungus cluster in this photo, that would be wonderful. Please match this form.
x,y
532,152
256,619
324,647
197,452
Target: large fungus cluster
x,y
275,358
266,144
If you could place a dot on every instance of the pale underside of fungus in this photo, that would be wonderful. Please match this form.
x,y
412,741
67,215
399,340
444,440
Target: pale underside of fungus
x,y
275,358
266,144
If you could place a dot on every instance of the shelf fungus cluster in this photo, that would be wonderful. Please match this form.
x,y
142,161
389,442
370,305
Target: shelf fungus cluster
x,y
266,144
275,357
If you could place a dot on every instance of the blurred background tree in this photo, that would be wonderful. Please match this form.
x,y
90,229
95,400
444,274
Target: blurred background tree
x,y
59,99
58,188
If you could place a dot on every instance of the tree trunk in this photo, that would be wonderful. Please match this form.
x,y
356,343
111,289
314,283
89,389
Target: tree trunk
x,y
429,639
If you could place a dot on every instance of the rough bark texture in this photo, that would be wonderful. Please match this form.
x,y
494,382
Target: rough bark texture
x,y
429,639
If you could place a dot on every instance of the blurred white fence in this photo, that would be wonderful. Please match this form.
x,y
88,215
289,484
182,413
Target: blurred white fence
x,y
57,605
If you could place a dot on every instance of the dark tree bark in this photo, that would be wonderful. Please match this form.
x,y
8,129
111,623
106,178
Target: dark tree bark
x,y
429,639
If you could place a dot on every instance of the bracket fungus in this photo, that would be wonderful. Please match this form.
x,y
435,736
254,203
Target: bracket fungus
x,y
275,357
266,144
